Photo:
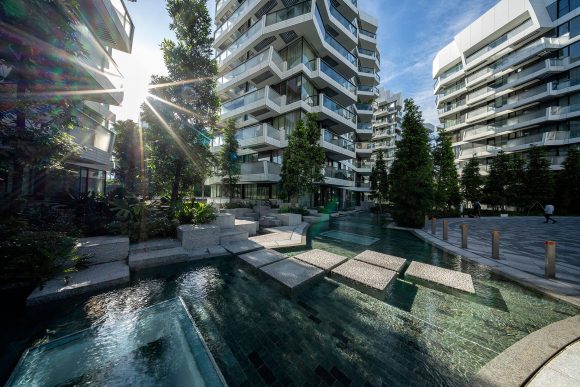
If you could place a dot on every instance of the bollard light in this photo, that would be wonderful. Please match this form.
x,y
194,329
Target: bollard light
x,y
445,230
464,228
433,225
495,244
550,259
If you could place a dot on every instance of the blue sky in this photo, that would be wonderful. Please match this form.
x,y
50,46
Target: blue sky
x,y
410,34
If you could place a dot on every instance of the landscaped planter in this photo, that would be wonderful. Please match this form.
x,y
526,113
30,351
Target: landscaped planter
x,y
198,236
224,220
104,249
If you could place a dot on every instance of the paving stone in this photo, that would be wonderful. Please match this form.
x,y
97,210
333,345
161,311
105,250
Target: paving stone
x,y
103,249
321,259
95,277
241,247
263,257
154,244
362,273
386,261
155,258
449,278
292,273
217,251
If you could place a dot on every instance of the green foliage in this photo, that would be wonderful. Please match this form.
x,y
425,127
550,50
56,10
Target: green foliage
x,y
411,174
471,181
446,180
293,210
233,205
228,163
497,181
569,184
539,178
516,186
380,179
192,212
127,151
303,159
184,105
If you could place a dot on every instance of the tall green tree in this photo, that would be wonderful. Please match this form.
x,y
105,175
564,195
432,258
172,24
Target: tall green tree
x,y
183,106
516,186
39,56
471,180
445,177
228,163
380,179
569,183
303,159
411,172
539,178
128,156
497,181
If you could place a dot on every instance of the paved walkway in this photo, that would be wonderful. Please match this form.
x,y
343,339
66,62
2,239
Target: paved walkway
x,y
562,370
285,236
522,248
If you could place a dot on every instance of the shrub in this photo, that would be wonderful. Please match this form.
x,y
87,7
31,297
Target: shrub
x,y
192,212
229,206
291,210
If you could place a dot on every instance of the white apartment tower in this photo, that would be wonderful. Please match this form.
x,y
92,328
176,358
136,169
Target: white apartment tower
x,y
279,60
387,122
511,80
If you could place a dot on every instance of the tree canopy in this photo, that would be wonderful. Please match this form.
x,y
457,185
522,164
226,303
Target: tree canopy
x,y
446,180
380,179
228,163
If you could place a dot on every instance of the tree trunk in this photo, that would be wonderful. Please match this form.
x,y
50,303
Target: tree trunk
x,y
176,181
231,187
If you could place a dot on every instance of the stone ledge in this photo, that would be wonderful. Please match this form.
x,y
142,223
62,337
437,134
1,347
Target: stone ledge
x,y
517,364
198,236
438,275
103,249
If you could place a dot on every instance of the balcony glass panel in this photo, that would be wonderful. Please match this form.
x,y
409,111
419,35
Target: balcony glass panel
x,y
250,132
343,20
332,73
242,68
364,106
364,51
364,126
368,88
288,13
333,42
336,173
234,17
341,142
243,100
337,108
239,42
368,33
499,41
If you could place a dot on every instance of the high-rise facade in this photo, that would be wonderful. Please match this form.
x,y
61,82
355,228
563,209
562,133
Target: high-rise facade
x,y
387,124
279,60
511,80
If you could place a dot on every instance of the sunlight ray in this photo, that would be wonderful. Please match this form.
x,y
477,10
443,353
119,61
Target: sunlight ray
x,y
177,83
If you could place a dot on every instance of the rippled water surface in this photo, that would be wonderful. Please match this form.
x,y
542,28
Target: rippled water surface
x,y
329,333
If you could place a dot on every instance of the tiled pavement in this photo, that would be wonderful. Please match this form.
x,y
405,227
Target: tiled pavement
x,y
562,370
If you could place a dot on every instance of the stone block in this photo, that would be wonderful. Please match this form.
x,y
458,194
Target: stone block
x,y
359,273
198,236
445,277
290,219
321,259
224,220
154,244
229,235
104,249
292,273
382,260
241,247
143,260
251,227
263,257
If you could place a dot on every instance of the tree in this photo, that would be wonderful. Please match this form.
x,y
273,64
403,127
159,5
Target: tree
x,y
539,180
303,159
411,172
39,53
228,163
182,106
497,181
569,186
380,179
446,180
471,180
128,155
516,185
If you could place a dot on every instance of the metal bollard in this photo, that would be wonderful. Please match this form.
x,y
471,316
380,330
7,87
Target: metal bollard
x,y
433,225
495,244
445,230
550,259
464,228
426,221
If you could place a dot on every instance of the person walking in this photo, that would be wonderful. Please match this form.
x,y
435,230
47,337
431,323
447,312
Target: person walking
x,y
548,212
477,209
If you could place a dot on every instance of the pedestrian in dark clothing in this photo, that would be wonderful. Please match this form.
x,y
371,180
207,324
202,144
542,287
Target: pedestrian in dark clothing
x,y
477,209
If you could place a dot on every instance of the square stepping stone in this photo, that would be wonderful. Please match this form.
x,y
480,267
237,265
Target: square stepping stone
x,y
321,259
385,261
240,247
361,273
261,258
292,273
445,277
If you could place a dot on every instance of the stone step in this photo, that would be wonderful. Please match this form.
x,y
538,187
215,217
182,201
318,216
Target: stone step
x,y
232,235
241,247
385,261
292,273
267,222
438,275
263,257
321,259
103,249
224,221
363,276
168,256
154,244
250,226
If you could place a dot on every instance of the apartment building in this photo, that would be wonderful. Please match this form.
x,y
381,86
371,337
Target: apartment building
x,y
279,60
511,80
105,26
387,124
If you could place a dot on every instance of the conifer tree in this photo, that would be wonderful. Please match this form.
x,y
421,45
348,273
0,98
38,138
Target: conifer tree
x,y
128,155
516,186
497,181
411,174
539,178
380,179
569,186
471,180
446,180
228,163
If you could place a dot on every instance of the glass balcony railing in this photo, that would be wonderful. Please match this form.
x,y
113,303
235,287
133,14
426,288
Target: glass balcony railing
x,y
288,13
364,126
364,106
364,51
259,168
333,42
240,41
250,63
341,142
338,109
368,33
368,89
249,98
234,18
336,173
343,20
557,110
364,146
332,73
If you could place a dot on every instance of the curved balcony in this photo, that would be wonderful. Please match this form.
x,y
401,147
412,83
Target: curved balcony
x,y
262,103
364,149
341,22
338,118
368,91
338,177
337,148
234,21
364,130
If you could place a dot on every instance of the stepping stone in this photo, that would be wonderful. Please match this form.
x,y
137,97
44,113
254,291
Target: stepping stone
x,y
382,260
292,273
361,273
449,278
232,235
241,247
261,258
217,251
154,244
164,257
95,277
321,259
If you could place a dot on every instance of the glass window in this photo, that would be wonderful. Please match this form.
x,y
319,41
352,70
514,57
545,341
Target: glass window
x,y
575,27
574,51
294,89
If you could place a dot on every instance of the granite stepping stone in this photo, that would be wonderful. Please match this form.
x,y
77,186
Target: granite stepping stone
x,y
240,247
321,259
361,273
385,261
292,273
445,277
261,258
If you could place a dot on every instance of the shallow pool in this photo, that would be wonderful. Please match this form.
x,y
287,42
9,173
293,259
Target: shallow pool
x,y
329,333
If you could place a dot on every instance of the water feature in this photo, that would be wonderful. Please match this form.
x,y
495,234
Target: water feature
x,y
417,335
